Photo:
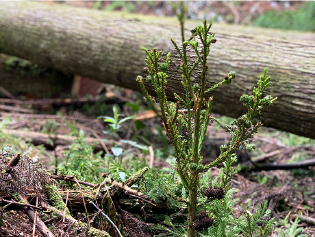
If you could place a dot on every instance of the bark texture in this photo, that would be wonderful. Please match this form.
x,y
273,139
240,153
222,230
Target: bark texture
x,y
107,47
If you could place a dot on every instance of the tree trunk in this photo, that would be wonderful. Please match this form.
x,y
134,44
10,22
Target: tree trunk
x,y
107,47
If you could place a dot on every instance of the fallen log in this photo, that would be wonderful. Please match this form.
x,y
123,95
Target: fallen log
x,y
38,138
107,47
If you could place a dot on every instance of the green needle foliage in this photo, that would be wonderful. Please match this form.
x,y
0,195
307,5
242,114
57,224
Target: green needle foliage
x,y
186,121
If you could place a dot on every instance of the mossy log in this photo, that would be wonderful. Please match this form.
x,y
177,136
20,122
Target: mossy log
x,y
107,47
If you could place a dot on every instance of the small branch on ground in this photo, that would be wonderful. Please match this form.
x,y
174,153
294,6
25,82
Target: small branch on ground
x,y
42,228
70,219
70,179
266,156
16,109
296,165
65,209
86,211
41,138
96,135
306,219
106,218
7,93
19,203
35,216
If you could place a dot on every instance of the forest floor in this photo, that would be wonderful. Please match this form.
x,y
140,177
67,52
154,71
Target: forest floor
x,y
287,191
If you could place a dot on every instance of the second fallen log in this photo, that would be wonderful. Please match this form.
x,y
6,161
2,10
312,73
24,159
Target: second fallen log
x,y
107,47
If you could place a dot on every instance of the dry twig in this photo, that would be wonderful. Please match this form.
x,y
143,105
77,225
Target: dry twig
x,y
70,179
65,209
86,212
96,135
42,228
20,203
7,93
35,217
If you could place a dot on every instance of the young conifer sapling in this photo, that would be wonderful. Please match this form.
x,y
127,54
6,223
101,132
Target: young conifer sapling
x,y
186,121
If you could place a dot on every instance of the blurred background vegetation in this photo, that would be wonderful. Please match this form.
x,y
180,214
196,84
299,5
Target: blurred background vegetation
x,y
301,20
288,15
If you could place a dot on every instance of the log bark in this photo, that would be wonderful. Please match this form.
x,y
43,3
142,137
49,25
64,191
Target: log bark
x,y
107,47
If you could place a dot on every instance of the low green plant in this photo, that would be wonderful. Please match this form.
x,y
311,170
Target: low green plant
x,y
82,162
97,5
291,139
262,180
248,224
120,171
255,224
186,121
291,230
88,166
115,124
50,126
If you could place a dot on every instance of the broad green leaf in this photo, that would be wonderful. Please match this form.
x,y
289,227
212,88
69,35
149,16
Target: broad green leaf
x,y
134,144
122,176
117,151
110,120
127,118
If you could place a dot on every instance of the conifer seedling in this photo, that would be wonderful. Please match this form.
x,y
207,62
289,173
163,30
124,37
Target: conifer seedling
x,y
186,121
